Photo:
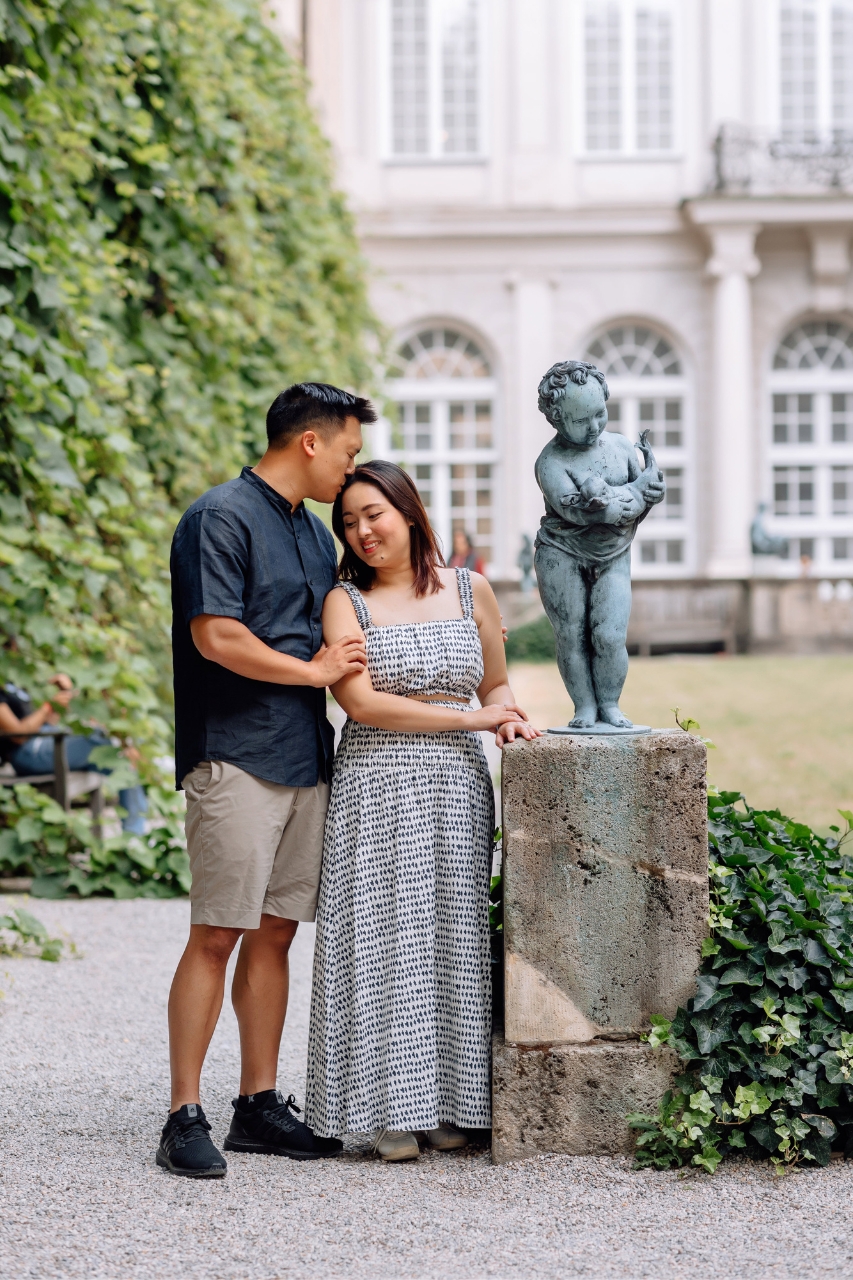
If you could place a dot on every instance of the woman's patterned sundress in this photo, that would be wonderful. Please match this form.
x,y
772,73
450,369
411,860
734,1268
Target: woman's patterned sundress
x,y
401,1003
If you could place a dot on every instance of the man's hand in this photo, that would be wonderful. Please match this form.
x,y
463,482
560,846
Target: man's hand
x,y
346,657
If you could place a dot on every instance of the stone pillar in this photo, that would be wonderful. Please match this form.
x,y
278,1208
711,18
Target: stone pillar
x,y
732,264
605,909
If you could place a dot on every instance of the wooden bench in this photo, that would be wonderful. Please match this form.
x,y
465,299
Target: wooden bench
x,y
64,784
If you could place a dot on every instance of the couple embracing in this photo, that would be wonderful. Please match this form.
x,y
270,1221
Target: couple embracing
x,y
388,845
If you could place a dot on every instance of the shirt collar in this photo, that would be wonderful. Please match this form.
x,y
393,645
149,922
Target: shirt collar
x,y
271,495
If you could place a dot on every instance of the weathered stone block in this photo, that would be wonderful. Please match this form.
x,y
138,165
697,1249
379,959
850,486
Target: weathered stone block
x,y
605,883
573,1098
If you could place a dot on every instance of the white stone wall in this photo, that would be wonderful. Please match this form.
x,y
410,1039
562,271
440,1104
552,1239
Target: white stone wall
x,y
535,246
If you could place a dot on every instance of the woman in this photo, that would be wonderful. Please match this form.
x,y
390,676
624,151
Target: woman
x,y
401,1005
464,556
32,755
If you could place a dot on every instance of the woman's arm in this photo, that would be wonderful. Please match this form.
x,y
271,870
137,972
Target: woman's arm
x,y
495,687
361,702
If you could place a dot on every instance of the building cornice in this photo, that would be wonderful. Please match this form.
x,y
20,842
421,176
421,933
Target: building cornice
x,y
503,223
482,222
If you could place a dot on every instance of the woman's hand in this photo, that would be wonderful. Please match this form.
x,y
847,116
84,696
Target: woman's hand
x,y
493,716
511,731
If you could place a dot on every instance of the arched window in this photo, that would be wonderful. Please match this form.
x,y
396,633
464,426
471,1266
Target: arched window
x,y
649,392
441,383
811,443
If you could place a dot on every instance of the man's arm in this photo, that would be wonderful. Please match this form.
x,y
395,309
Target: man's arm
x,y
232,645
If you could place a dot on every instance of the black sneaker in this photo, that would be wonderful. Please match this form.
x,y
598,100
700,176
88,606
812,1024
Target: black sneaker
x,y
185,1147
268,1125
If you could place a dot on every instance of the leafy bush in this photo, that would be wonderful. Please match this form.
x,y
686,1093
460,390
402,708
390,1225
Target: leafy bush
x,y
21,934
534,642
62,853
768,1037
172,253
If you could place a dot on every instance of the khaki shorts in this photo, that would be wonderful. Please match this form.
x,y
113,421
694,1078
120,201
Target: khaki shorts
x,y
255,847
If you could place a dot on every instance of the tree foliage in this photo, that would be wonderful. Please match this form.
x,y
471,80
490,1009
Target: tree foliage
x,y
768,1037
172,253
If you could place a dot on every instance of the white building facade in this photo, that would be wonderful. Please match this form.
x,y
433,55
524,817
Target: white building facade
x,y
664,187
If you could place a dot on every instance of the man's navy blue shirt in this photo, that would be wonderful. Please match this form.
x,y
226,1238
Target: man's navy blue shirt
x,y
242,552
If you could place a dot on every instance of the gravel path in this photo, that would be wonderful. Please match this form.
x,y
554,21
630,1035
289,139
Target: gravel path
x,y
83,1069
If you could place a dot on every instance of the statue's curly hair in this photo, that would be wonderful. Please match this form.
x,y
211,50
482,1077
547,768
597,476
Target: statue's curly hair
x,y
553,386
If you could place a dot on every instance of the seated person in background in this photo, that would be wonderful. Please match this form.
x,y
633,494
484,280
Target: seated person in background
x,y
31,756
464,556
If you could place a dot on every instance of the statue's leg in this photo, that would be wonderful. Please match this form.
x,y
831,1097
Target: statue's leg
x,y
564,595
610,607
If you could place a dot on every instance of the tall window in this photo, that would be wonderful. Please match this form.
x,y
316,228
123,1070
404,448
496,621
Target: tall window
x,y
810,452
444,433
816,70
435,78
629,59
648,392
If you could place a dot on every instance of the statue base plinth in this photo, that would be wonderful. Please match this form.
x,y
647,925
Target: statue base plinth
x,y
601,729
572,1099
605,895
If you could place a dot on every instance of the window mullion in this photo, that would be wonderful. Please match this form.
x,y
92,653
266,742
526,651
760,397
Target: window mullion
x,y
823,53
434,57
441,473
630,417
629,76
822,421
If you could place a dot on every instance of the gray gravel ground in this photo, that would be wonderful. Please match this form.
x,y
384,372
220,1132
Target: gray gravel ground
x,y
83,1069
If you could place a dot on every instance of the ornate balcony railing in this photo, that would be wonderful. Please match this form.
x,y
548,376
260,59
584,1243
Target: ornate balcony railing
x,y
749,162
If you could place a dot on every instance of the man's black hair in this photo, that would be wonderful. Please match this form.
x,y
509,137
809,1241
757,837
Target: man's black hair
x,y
313,404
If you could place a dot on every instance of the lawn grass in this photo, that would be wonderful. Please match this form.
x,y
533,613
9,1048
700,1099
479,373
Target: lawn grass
x,y
782,726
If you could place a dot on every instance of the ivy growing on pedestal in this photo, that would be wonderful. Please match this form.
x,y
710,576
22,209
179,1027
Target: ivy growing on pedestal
x,y
172,252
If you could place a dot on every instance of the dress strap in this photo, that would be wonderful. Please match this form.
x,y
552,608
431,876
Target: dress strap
x,y
361,610
466,592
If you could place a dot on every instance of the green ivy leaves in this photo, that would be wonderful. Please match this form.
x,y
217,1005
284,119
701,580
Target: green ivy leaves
x,y
172,253
62,853
769,1033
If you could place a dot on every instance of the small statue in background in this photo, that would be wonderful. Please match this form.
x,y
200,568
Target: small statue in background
x,y
595,497
525,564
764,543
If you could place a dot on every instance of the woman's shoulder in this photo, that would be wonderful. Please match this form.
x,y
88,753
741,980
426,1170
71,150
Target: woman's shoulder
x,y
341,610
341,596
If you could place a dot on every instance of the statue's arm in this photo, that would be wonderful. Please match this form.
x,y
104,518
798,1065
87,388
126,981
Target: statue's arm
x,y
643,489
560,490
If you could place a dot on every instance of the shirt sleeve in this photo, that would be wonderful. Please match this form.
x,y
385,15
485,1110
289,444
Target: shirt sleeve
x,y
209,561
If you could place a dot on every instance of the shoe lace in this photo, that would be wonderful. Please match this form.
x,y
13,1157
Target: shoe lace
x,y
289,1104
281,1111
191,1131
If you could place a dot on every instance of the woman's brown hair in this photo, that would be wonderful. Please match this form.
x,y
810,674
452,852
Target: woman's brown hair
x,y
401,492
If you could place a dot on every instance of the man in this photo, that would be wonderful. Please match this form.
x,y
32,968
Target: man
x,y
250,571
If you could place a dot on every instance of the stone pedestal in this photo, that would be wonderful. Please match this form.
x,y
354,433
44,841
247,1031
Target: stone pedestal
x,y
605,908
